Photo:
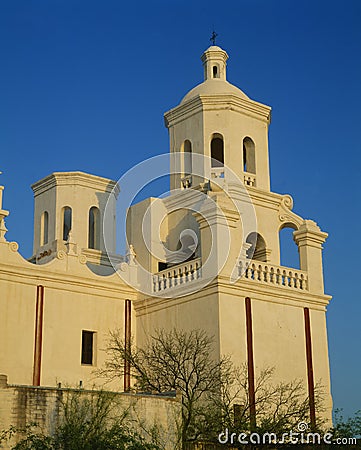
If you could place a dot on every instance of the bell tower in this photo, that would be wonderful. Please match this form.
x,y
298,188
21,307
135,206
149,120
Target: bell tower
x,y
268,315
218,120
69,208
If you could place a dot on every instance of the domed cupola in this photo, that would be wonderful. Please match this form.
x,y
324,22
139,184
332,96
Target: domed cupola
x,y
215,76
216,119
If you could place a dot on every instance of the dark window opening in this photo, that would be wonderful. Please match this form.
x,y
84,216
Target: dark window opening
x,y
258,250
217,152
94,229
244,158
66,222
215,72
162,266
187,158
45,228
249,156
87,343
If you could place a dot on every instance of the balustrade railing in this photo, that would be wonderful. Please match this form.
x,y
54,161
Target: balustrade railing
x,y
177,275
249,179
217,172
186,181
276,275
256,271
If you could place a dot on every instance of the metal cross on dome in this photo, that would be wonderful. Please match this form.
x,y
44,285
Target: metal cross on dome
x,y
213,37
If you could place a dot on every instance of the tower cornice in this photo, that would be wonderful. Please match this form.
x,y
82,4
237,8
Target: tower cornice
x,y
75,178
218,102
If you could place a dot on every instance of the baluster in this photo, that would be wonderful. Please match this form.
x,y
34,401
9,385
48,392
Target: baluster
x,y
259,273
272,275
267,275
289,279
170,280
253,272
247,272
302,282
183,272
278,277
199,271
297,281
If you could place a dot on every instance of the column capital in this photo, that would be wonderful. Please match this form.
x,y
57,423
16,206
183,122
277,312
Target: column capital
x,y
309,233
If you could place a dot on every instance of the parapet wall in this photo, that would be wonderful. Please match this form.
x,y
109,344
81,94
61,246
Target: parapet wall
x,y
24,405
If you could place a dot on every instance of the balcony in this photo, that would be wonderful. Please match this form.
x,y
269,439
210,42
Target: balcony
x,y
257,272
275,275
178,275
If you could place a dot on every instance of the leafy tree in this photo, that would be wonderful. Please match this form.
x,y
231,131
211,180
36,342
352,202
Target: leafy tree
x,y
350,427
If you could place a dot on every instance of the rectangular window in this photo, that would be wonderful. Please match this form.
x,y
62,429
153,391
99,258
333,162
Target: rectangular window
x,y
87,347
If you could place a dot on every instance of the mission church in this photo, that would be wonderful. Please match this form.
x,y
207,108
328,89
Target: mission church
x,y
207,256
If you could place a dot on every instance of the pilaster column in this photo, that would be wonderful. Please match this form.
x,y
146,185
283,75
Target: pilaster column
x,y
216,219
309,239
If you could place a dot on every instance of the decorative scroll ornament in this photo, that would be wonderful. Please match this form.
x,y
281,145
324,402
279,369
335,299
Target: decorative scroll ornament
x,y
61,254
14,246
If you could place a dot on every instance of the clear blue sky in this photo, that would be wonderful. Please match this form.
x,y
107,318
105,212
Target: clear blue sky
x,y
84,85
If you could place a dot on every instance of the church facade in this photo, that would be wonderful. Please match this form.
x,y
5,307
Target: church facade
x,y
206,256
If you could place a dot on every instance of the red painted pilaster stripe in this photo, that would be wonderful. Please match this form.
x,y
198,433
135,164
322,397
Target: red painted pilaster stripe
x,y
310,381
127,342
250,364
38,341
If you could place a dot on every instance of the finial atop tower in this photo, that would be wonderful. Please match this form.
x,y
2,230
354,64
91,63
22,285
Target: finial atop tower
x,y
1,194
213,37
3,214
214,62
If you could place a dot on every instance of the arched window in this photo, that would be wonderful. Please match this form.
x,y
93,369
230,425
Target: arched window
x,y
187,158
44,233
258,250
289,256
249,156
67,213
215,71
94,228
217,151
